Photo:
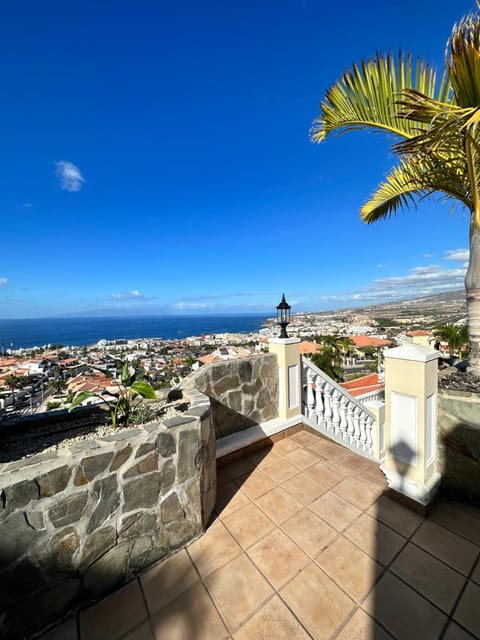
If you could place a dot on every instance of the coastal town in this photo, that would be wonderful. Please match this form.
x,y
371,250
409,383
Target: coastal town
x,y
47,378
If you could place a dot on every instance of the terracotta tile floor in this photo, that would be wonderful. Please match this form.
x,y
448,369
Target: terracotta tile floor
x,y
304,546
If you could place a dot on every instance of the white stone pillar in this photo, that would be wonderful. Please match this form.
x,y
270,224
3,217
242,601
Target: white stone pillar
x,y
287,351
410,464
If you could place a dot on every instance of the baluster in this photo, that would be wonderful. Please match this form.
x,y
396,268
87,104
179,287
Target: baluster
x,y
305,370
328,406
356,424
310,393
363,432
370,434
343,417
335,411
319,409
304,389
350,427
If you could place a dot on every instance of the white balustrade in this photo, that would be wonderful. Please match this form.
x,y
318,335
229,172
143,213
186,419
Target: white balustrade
x,y
329,408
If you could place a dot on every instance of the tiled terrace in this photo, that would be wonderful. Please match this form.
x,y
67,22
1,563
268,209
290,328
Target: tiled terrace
x,y
304,545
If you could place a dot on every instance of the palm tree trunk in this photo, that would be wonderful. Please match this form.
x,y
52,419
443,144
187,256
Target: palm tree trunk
x,y
472,286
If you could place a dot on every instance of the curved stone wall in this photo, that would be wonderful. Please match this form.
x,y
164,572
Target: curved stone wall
x,y
77,523
243,392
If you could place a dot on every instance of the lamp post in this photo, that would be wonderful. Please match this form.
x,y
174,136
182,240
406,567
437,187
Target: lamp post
x,y
287,351
283,316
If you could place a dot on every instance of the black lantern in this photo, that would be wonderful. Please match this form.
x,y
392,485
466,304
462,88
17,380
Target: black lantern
x,y
283,316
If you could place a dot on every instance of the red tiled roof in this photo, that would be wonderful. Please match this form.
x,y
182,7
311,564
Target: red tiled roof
x,y
365,390
309,347
8,362
369,341
210,357
364,381
363,385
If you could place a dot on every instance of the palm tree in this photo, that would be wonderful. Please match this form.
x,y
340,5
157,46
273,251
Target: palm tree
x,y
345,343
326,360
330,344
13,382
57,385
454,336
436,137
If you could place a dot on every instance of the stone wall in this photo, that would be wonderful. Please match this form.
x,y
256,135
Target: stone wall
x,y
76,523
459,444
243,392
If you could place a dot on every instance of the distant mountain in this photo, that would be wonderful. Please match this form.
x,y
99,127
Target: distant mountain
x,y
453,299
430,310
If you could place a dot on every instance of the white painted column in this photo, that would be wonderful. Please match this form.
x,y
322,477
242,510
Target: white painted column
x,y
410,464
289,375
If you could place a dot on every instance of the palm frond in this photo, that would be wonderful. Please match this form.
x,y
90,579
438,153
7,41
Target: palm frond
x,y
462,59
420,108
414,179
365,97
398,191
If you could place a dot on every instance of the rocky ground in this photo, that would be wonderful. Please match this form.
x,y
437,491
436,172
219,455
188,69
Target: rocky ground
x,y
453,379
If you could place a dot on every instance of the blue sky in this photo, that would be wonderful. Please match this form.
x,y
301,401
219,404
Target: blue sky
x,y
156,159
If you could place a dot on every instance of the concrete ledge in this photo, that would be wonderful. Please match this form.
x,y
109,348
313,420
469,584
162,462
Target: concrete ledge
x,y
237,441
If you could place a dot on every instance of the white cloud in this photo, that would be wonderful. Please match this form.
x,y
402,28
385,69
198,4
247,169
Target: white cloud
x,y
130,295
183,306
457,254
428,255
70,176
421,281
3,282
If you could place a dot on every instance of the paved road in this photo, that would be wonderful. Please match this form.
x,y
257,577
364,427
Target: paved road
x,y
27,406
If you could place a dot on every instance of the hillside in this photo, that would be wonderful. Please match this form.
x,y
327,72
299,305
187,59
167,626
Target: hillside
x,y
427,311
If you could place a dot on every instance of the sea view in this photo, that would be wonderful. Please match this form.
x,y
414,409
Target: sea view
x,y
25,333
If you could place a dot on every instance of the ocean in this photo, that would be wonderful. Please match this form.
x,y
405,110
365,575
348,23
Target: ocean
x,y
26,333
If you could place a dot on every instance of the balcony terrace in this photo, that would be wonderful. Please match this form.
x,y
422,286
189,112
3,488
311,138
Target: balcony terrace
x,y
274,506
305,543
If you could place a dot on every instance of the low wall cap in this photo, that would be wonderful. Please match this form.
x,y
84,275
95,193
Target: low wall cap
x,y
410,351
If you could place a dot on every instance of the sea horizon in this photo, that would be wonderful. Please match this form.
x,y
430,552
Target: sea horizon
x,y
25,333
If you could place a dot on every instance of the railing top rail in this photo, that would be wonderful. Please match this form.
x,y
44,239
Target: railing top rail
x,y
308,364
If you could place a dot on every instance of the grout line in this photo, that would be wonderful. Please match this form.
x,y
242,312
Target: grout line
x,y
383,569
300,622
203,583
468,580
449,528
435,557
423,596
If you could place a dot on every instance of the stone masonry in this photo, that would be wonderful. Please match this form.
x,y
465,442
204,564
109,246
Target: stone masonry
x,y
459,444
76,525
243,392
